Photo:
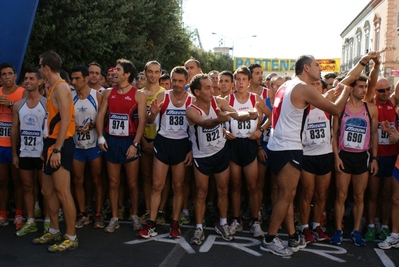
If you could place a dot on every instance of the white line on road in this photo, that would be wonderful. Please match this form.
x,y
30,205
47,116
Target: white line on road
x,y
384,258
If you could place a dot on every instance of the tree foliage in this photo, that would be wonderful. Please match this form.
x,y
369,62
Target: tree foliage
x,y
101,30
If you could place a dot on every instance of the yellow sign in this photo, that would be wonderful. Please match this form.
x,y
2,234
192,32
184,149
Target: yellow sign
x,y
285,65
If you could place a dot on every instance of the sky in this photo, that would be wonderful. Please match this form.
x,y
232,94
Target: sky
x,y
285,29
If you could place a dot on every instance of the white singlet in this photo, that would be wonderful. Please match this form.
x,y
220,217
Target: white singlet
x,y
173,122
207,142
243,129
85,112
287,120
31,128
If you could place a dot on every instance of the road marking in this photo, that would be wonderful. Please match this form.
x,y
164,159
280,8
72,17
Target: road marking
x,y
326,253
384,258
211,239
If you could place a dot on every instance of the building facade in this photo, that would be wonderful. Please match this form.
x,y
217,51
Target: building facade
x,y
376,28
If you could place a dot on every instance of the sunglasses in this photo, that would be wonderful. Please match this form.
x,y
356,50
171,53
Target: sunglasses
x,y
383,90
142,78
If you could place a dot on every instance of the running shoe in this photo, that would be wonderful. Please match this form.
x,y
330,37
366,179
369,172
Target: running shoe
x,y
48,238
357,239
319,234
121,213
136,223
160,218
46,227
384,233
198,237
145,217
307,233
224,231
174,230
370,234
99,220
184,219
29,227
256,229
3,221
148,231
235,227
296,244
276,247
82,220
112,226
64,245
389,242
19,222
336,239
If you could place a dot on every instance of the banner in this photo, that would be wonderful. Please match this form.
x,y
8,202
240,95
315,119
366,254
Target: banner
x,y
16,20
285,65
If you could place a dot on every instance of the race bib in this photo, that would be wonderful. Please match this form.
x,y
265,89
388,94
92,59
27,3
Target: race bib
x,y
5,129
316,133
383,137
119,124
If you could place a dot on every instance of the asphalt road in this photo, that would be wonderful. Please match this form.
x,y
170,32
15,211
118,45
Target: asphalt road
x,y
124,248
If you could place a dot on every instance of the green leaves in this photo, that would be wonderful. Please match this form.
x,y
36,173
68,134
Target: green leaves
x,y
103,31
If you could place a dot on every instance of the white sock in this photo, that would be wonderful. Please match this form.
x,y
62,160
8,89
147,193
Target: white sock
x,y
47,219
37,207
395,235
223,221
53,231
315,224
384,226
198,226
371,225
31,220
71,237
185,211
304,226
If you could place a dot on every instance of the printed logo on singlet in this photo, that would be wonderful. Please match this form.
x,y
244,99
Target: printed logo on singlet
x,y
29,120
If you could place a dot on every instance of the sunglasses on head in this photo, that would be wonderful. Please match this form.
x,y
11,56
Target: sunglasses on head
x,y
383,90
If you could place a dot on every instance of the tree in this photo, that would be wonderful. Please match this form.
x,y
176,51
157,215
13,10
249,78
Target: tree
x,y
103,31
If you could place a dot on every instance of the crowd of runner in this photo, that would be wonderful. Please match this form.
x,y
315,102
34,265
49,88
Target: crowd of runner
x,y
89,145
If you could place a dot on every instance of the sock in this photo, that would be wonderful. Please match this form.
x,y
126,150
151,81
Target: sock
x,y
384,226
395,235
198,226
294,236
223,221
47,219
31,220
269,238
37,207
115,219
315,224
53,231
185,211
237,218
71,237
18,213
304,226
371,225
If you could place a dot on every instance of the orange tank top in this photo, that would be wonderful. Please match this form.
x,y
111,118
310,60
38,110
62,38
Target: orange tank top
x,y
53,118
6,116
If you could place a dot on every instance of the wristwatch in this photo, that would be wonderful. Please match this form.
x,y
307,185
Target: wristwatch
x,y
136,144
10,104
55,150
375,158
261,129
